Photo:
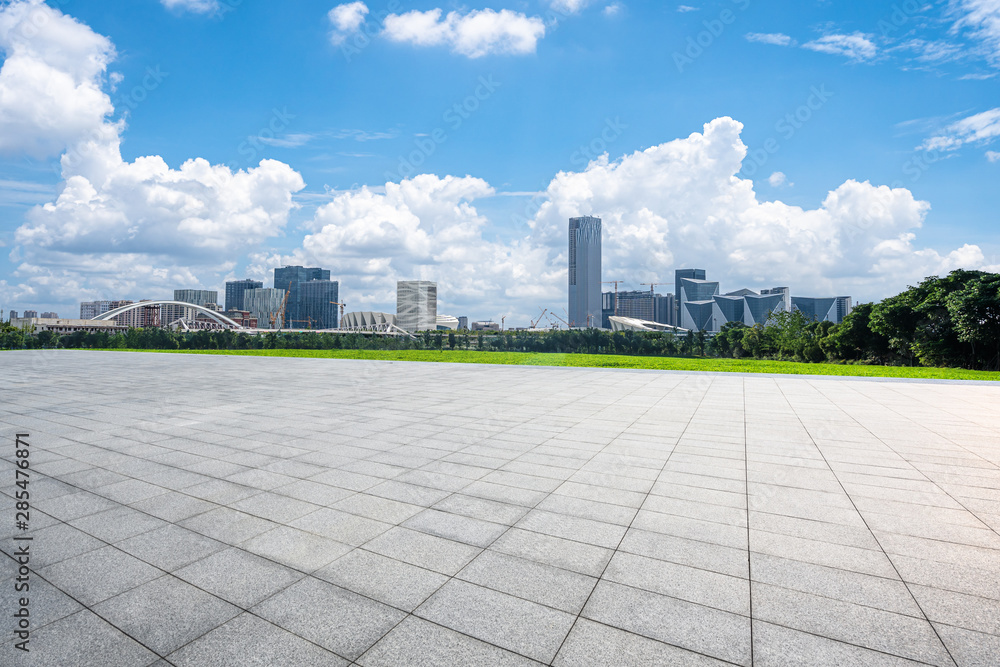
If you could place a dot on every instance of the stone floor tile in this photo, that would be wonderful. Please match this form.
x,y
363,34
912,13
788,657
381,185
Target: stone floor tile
x,y
381,578
98,575
337,619
551,586
85,640
238,577
170,547
517,625
591,643
296,548
423,550
166,613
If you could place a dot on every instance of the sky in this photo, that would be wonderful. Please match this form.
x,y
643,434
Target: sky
x,y
839,148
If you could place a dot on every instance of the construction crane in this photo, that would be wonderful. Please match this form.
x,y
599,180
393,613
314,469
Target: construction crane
x,y
652,286
502,318
274,315
342,305
615,283
560,319
539,319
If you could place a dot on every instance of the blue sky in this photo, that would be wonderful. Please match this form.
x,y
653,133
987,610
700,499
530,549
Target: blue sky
x,y
491,114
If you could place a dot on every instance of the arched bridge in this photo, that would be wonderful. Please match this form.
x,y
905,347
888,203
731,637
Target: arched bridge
x,y
218,317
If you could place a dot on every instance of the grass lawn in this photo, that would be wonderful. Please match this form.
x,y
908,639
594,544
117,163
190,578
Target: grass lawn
x,y
616,361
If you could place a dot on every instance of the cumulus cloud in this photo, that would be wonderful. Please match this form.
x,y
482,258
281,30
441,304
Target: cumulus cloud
x,y
982,19
346,19
476,34
993,156
193,6
51,80
678,203
776,38
777,179
112,218
613,10
857,46
979,128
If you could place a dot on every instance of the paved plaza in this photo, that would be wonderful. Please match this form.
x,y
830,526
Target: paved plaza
x,y
214,510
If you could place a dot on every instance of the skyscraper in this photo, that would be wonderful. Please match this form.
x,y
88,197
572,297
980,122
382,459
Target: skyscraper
x,y
585,272
290,278
416,305
264,304
235,289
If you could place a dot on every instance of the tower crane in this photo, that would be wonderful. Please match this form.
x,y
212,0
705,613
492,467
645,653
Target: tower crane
x,y
539,318
615,283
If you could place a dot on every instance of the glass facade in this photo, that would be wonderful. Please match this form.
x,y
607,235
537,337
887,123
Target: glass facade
x,y
235,289
290,278
264,304
585,272
315,308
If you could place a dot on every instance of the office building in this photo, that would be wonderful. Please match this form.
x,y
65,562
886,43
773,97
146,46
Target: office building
x,y
416,305
12,316
486,326
637,304
29,314
463,323
264,304
290,278
695,300
235,289
665,310
832,308
317,305
585,307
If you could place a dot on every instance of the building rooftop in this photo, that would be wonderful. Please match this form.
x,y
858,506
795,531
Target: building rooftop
x,y
206,509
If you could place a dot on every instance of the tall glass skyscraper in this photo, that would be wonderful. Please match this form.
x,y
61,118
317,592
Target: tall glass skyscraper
x,y
290,278
236,289
585,272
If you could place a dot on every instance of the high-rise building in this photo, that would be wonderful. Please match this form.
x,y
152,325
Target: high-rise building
x,y
91,309
12,315
199,297
665,310
317,304
463,323
416,305
30,313
844,308
289,278
49,315
235,289
585,307
264,305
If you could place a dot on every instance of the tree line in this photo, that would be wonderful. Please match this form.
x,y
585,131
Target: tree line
x,y
952,321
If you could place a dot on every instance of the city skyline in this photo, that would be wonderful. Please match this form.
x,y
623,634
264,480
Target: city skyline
x,y
864,168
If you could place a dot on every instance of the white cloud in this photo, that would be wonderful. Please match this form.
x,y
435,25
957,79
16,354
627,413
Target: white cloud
x,y
51,80
982,127
982,19
346,19
193,6
777,179
569,6
476,34
614,9
683,9
857,46
112,221
993,156
679,203
776,38
293,140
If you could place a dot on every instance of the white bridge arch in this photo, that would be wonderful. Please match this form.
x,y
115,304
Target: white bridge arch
x,y
218,317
